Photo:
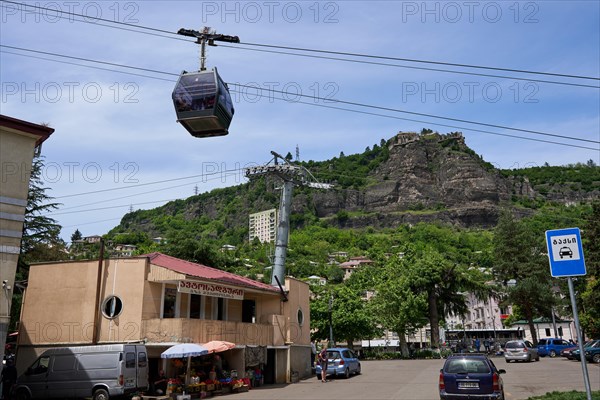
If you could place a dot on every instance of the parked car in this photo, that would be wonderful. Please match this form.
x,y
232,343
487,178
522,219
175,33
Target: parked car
x,y
470,376
341,361
568,352
520,350
99,372
591,349
592,352
552,346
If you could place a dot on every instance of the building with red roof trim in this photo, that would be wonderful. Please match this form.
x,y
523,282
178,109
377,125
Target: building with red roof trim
x,y
205,272
162,300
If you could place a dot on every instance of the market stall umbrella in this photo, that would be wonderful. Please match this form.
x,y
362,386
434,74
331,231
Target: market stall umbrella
x,y
182,350
217,346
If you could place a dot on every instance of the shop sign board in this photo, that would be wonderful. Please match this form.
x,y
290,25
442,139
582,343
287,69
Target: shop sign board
x,y
210,289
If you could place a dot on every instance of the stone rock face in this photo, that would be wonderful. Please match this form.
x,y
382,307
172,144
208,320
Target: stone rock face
x,y
426,172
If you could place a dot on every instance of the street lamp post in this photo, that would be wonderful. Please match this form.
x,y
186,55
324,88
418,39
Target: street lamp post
x,y
330,321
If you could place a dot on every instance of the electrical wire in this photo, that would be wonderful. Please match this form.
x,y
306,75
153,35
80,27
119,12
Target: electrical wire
x,y
416,68
145,184
429,115
141,193
522,71
438,124
111,207
325,106
175,36
330,100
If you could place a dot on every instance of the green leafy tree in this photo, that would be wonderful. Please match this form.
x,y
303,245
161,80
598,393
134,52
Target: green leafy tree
x,y
442,280
350,316
76,236
521,265
395,305
38,228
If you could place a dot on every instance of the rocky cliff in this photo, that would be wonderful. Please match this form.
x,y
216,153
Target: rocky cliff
x,y
410,178
426,177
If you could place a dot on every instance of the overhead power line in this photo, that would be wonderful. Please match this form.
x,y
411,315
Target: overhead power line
x,y
438,124
522,71
417,68
429,115
173,35
345,102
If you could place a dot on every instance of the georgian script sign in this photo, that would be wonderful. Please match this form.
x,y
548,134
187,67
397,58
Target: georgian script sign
x,y
210,289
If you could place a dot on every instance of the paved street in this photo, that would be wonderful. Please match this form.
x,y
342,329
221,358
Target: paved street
x,y
418,379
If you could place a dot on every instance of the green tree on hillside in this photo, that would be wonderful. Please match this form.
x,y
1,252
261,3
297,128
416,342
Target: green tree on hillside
x,y
76,236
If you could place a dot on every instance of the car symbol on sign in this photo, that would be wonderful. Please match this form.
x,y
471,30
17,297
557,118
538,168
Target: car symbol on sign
x,y
565,251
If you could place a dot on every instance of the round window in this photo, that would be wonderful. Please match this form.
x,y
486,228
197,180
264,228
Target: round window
x,y
112,307
300,317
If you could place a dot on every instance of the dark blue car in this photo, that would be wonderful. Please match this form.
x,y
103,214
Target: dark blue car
x,y
471,376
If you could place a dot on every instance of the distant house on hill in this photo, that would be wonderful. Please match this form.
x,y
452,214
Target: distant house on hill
x,y
125,250
352,264
317,280
92,239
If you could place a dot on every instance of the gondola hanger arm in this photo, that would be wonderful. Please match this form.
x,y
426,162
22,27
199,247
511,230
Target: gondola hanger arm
x,y
209,37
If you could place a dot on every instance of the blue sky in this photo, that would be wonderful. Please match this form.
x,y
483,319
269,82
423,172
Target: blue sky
x,y
115,130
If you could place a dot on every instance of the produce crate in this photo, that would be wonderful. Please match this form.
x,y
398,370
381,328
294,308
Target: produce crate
x,y
243,388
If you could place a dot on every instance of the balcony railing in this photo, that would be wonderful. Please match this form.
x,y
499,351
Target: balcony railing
x,y
201,331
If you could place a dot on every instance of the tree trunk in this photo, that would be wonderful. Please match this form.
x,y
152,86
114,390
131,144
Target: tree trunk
x,y
532,329
434,320
350,343
403,345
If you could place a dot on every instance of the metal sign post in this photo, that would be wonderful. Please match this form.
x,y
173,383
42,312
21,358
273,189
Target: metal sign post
x,y
565,254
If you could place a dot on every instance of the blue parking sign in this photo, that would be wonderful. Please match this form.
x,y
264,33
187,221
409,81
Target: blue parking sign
x,y
565,252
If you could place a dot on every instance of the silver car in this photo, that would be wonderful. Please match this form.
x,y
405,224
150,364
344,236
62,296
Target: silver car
x,y
520,350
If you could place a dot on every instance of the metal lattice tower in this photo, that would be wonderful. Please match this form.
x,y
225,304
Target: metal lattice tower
x,y
291,175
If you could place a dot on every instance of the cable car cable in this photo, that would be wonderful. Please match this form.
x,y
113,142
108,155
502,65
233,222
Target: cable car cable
x,y
417,68
358,104
439,124
306,49
89,60
522,71
430,115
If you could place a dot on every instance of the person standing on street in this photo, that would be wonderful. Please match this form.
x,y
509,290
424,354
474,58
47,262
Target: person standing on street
x,y
323,363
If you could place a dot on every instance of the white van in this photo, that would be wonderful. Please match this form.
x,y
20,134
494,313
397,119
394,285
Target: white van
x,y
99,372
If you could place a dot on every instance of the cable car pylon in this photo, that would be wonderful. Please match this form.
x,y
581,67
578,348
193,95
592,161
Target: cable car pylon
x,y
290,174
202,100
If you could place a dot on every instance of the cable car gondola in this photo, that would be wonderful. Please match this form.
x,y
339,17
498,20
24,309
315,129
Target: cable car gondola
x,y
203,103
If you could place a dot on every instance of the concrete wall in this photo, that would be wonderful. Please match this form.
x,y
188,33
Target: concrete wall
x,y
297,312
18,140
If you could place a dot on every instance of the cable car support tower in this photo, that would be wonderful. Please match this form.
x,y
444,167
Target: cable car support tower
x,y
290,174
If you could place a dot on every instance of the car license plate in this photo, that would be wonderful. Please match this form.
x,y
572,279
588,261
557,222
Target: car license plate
x,y
468,385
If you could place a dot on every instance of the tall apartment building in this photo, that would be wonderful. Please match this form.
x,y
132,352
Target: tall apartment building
x,y
263,225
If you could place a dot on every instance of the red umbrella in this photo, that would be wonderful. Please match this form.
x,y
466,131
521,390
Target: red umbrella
x,y
217,346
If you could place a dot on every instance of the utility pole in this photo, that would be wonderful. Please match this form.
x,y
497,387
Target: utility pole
x,y
291,174
331,342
